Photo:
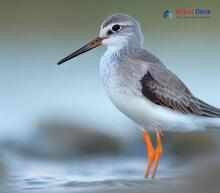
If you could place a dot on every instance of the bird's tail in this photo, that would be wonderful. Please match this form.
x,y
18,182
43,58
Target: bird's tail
x,y
209,117
208,110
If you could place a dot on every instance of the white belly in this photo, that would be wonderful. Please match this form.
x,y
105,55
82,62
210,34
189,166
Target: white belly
x,y
148,115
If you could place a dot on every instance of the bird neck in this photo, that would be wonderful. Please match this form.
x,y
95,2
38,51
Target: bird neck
x,y
123,49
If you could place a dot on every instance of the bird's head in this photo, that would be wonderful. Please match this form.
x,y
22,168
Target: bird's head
x,y
116,31
119,30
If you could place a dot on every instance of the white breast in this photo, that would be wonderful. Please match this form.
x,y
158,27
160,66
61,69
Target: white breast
x,y
121,81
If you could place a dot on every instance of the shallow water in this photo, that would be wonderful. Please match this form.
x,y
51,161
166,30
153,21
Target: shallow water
x,y
88,173
108,174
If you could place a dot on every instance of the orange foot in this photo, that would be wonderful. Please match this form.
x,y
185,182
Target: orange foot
x,y
152,154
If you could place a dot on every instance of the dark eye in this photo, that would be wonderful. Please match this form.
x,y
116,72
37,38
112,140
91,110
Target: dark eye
x,y
116,27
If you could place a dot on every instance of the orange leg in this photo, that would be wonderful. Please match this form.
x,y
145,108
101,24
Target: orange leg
x,y
159,152
151,152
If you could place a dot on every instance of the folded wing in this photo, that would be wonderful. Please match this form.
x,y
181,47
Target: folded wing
x,y
164,88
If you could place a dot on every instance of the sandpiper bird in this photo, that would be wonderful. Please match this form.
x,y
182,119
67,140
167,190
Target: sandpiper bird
x,y
142,88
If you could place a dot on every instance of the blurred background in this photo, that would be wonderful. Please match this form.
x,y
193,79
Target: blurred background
x,y
57,119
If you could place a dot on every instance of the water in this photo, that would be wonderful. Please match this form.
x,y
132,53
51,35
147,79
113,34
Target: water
x,y
81,174
112,173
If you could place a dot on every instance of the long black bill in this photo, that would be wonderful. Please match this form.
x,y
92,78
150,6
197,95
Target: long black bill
x,y
93,44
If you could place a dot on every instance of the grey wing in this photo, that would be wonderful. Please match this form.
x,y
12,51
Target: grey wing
x,y
164,88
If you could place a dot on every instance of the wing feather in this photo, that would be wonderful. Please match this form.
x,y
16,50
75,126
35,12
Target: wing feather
x,y
164,88
170,92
